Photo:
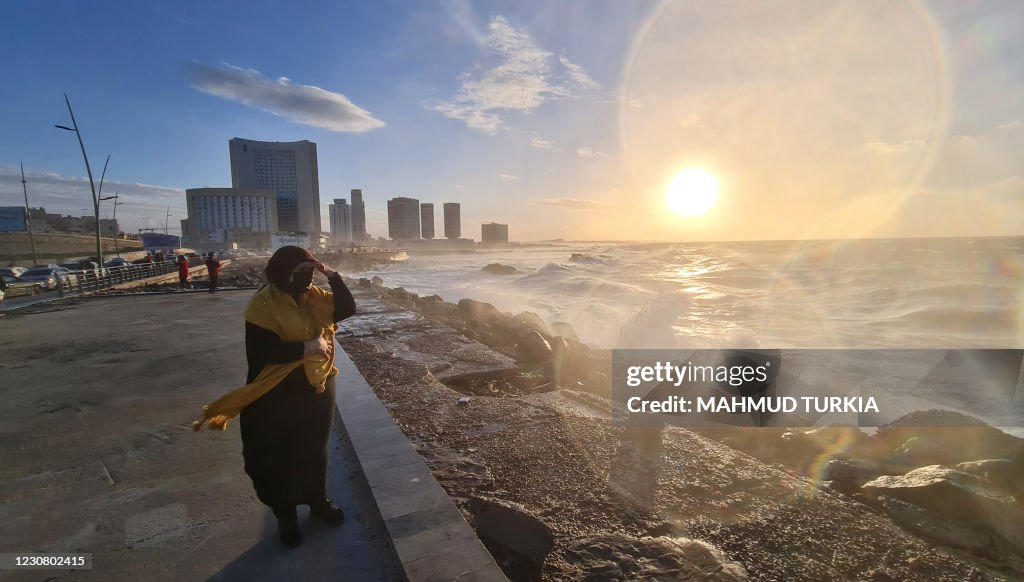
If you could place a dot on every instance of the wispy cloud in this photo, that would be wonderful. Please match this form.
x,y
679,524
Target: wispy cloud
x,y
70,194
541,144
577,204
577,75
522,80
590,153
1011,126
303,104
509,177
892,149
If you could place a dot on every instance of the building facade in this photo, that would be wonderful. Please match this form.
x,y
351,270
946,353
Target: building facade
x,y
283,238
341,222
403,218
289,170
212,212
494,233
427,220
358,217
452,220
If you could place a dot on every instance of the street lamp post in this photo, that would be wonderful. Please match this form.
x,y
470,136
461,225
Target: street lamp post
x,y
117,249
28,216
88,170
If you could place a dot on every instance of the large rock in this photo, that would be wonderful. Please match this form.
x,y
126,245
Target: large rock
x,y
499,269
1004,474
472,309
957,495
947,530
535,322
945,437
509,329
513,528
844,475
620,557
434,305
533,349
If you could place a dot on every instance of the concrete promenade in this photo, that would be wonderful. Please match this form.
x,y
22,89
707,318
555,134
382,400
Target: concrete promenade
x,y
97,453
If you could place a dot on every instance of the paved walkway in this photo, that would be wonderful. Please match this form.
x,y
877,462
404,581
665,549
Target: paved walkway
x,y
97,453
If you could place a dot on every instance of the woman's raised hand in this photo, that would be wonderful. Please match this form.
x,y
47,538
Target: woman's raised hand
x,y
327,271
318,346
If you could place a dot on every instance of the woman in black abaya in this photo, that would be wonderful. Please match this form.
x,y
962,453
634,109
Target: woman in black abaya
x,y
285,431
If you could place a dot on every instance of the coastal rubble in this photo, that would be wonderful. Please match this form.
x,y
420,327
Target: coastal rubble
x,y
962,498
614,556
555,455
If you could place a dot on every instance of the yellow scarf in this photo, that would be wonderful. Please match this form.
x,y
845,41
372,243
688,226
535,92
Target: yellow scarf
x,y
275,310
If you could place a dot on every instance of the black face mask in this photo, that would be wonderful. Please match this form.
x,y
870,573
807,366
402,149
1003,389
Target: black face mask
x,y
301,282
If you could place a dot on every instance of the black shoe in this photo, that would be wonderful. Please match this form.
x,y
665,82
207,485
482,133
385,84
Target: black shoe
x,y
327,512
288,528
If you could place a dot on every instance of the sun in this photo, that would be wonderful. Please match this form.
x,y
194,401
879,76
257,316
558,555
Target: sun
x,y
693,192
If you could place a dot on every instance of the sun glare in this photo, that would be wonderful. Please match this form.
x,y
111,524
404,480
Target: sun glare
x,y
693,192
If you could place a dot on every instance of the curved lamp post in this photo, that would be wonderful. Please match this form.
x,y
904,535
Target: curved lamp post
x,y
117,235
88,169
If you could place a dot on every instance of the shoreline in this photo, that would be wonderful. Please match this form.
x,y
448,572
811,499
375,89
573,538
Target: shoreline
x,y
512,440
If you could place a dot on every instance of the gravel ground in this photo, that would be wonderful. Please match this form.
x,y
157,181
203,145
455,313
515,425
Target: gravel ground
x,y
569,467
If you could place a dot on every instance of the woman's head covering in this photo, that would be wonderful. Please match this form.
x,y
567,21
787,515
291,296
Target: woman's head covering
x,y
280,266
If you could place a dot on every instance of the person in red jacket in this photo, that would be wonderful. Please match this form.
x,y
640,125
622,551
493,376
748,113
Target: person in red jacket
x,y
183,271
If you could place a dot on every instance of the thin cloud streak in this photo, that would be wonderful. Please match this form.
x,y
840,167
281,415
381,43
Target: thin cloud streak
x,y
541,144
305,104
576,204
70,194
590,153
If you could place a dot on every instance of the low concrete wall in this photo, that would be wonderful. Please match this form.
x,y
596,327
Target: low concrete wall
x,y
15,247
432,539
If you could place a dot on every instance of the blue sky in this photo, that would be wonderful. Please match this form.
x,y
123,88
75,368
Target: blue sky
x,y
563,119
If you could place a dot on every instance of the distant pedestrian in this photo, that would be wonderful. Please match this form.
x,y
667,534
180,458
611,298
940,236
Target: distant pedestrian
x,y
213,268
183,271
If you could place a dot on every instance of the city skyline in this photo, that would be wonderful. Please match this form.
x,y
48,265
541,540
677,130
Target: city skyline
x,y
838,121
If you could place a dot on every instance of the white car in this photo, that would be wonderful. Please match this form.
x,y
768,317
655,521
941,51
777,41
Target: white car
x,y
16,287
47,277
12,271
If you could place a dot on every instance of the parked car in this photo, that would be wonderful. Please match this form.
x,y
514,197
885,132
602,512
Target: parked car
x,y
12,271
45,276
15,287
88,268
118,262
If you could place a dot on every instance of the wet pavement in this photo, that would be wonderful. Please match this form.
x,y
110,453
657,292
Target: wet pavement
x,y
97,453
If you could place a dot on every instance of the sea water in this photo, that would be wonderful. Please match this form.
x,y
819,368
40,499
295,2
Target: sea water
x,y
892,293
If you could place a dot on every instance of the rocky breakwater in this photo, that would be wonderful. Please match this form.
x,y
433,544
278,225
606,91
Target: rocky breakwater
x,y
556,491
946,477
548,356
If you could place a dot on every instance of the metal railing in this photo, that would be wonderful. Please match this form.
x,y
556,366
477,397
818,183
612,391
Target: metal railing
x,y
92,280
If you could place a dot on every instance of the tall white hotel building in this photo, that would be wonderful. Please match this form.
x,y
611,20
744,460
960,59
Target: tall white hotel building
x,y
289,170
